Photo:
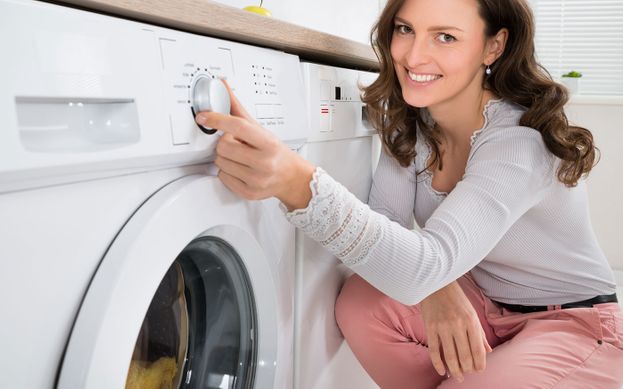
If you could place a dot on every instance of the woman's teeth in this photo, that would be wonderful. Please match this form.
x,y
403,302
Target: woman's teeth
x,y
423,77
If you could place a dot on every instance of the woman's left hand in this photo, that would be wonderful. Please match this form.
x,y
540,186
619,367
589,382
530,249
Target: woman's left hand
x,y
455,335
255,164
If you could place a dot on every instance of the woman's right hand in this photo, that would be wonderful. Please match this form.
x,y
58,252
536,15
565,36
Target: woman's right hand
x,y
253,162
453,327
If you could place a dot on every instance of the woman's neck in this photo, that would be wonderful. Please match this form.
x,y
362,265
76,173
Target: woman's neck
x,y
459,118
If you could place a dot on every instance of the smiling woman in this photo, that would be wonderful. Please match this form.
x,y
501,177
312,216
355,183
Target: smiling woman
x,y
464,64
439,62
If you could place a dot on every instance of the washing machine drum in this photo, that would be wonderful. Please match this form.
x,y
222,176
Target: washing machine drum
x,y
200,327
185,297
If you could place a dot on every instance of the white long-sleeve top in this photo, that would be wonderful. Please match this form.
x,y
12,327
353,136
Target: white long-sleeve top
x,y
526,238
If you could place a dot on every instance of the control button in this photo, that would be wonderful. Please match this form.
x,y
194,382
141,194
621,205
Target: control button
x,y
338,93
210,94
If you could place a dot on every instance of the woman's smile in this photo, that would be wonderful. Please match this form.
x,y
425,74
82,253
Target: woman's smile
x,y
422,79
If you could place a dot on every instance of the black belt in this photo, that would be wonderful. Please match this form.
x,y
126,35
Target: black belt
x,y
609,298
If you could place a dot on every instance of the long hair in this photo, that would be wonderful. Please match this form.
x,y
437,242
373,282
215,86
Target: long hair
x,y
516,77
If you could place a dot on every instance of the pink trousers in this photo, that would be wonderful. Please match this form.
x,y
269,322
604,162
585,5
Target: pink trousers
x,y
567,349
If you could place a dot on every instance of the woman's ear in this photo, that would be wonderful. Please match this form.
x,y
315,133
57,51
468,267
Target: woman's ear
x,y
496,46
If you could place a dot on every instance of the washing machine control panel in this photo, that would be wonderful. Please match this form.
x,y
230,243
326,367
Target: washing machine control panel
x,y
85,95
264,81
333,95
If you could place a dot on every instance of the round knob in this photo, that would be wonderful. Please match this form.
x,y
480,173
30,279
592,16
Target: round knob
x,y
210,94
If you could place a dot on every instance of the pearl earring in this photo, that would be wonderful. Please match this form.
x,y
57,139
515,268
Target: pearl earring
x,y
488,70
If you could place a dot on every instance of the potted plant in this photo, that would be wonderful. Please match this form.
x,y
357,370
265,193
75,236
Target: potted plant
x,y
572,81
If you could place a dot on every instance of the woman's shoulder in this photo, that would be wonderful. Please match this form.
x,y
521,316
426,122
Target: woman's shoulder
x,y
502,123
503,138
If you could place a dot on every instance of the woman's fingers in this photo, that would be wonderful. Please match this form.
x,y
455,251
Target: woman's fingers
x,y
232,148
435,353
240,123
488,347
459,353
464,350
241,179
236,108
251,166
479,347
233,168
234,184
240,128
450,357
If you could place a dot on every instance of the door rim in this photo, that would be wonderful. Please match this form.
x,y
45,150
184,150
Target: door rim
x,y
101,342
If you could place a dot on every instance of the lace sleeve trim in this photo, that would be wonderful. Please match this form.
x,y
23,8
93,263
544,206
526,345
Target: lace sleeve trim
x,y
339,221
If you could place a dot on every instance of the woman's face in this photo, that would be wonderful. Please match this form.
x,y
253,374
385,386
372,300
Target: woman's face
x,y
438,49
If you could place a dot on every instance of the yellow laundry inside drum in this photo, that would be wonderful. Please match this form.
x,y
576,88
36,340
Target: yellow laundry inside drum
x,y
156,375
162,344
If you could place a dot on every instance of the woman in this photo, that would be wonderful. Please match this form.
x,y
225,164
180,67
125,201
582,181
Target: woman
x,y
478,149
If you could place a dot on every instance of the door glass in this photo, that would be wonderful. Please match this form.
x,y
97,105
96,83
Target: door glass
x,y
201,327
162,344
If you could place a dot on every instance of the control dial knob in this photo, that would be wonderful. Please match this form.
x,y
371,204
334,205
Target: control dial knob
x,y
209,94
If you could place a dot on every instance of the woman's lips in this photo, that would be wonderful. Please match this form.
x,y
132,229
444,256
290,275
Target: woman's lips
x,y
423,78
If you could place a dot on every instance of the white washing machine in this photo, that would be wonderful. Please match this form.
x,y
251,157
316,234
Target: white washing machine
x,y
125,262
344,144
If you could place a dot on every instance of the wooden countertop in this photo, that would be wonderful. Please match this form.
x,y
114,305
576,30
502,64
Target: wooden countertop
x,y
214,19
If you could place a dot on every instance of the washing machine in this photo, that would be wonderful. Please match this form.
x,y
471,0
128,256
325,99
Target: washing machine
x,y
345,145
125,262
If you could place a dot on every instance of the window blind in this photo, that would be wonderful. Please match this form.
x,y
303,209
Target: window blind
x,y
585,36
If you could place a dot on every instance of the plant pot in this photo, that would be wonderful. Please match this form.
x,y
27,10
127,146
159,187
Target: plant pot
x,y
572,84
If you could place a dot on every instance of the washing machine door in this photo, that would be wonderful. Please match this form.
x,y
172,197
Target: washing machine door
x,y
184,298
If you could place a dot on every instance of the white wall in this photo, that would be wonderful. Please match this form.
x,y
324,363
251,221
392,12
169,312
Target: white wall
x,y
603,116
350,19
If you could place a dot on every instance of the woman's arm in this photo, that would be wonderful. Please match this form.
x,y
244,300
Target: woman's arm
x,y
505,177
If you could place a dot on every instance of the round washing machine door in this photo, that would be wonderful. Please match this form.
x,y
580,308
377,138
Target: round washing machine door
x,y
184,298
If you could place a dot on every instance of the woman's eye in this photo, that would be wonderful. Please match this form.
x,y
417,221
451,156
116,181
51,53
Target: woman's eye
x,y
446,38
402,29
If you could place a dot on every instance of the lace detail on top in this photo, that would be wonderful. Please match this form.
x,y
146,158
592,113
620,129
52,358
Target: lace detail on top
x,y
337,220
428,175
487,112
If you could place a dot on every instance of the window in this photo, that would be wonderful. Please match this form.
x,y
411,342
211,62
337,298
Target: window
x,y
585,36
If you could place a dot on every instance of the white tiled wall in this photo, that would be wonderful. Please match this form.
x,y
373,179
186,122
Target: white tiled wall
x,y
351,19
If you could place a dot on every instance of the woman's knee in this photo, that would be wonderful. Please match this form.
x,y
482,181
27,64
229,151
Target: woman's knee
x,y
360,308
354,302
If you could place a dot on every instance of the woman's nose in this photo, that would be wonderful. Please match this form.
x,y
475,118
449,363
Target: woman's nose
x,y
418,52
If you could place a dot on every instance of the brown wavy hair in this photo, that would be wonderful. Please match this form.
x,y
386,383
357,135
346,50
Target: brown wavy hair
x,y
516,77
